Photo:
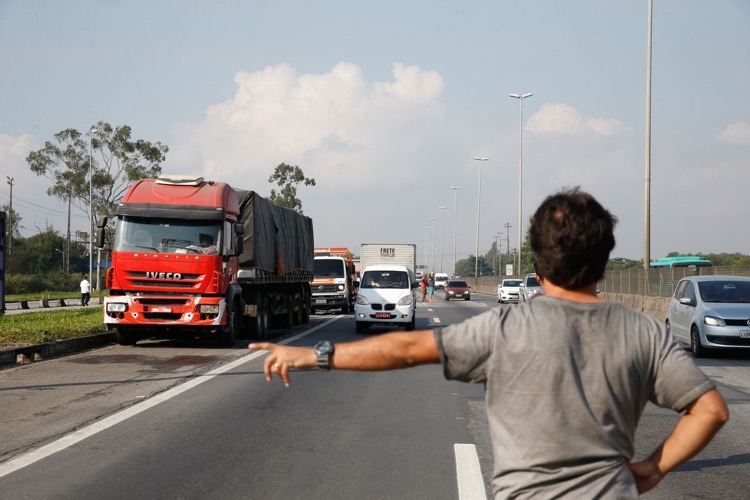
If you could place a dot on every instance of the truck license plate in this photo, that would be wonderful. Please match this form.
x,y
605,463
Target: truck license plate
x,y
745,334
161,309
320,301
384,315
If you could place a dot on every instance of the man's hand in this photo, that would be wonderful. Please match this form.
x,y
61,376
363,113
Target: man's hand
x,y
646,474
281,358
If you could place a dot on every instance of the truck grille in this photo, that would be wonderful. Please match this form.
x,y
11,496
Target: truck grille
x,y
325,288
185,282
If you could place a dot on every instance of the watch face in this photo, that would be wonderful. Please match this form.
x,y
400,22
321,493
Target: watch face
x,y
324,347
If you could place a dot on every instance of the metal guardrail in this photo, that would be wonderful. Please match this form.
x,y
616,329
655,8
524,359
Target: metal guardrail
x,y
47,303
637,281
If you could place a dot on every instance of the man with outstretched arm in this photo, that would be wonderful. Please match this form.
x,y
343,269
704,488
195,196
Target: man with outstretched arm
x,y
567,375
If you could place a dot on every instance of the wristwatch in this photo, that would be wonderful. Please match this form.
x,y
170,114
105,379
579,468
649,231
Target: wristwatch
x,y
324,350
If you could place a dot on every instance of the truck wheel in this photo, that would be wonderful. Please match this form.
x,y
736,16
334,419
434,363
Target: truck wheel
x,y
287,320
305,308
124,336
297,303
259,325
345,308
228,335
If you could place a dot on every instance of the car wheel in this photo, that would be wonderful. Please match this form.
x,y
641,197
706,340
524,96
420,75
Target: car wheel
x,y
411,324
362,327
446,297
468,297
695,343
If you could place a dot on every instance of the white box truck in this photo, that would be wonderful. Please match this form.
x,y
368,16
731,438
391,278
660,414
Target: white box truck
x,y
400,254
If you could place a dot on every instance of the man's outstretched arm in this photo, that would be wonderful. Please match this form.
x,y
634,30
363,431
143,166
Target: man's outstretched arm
x,y
702,420
383,352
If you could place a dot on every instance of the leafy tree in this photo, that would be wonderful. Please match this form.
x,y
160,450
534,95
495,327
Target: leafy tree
x,y
117,162
288,177
617,263
12,220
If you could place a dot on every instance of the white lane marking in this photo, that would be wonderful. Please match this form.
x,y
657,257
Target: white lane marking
x,y
468,473
436,320
81,434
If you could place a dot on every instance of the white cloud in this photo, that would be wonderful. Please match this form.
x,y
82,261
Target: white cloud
x,y
735,133
560,118
13,149
331,124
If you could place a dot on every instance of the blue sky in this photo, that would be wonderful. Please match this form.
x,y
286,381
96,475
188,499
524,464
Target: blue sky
x,y
385,103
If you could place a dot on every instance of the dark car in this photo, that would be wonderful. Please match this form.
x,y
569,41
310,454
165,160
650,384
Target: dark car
x,y
457,289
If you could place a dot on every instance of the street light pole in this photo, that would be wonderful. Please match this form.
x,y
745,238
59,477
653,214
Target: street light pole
x,y
432,243
91,202
479,202
455,218
11,181
520,98
647,197
442,219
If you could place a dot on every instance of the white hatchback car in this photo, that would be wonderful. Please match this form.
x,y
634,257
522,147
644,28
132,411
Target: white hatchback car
x,y
386,297
507,290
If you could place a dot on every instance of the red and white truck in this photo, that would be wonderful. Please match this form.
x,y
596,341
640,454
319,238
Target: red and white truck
x,y
195,257
333,284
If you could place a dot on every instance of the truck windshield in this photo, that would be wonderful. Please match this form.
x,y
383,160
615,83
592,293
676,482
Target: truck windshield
x,y
167,236
328,268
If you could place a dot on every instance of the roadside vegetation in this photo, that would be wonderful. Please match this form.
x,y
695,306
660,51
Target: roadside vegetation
x,y
48,326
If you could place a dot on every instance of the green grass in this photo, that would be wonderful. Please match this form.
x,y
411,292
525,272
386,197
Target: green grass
x,y
49,295
48,326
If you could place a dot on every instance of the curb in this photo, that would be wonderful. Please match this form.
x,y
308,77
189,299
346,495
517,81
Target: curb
x,y
39,352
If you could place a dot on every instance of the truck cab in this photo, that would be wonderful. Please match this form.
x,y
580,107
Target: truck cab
x,y
334,280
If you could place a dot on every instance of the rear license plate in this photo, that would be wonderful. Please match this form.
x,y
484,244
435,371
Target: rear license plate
x,y
320,301
384,315
161,309
745,334
459,295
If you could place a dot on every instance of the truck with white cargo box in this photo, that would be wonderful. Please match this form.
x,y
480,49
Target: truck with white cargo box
x,y
400,254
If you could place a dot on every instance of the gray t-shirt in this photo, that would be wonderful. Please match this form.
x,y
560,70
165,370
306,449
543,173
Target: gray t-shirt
x,y
566,384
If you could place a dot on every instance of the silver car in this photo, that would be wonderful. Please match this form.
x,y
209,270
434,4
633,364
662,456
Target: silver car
x,y
711,312
530,287
507,291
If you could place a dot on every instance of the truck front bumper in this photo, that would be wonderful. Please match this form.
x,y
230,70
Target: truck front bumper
x,y
154,311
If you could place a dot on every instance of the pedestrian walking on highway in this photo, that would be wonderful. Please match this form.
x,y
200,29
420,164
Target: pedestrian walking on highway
x,y
423,285
85,291
567,375
431,286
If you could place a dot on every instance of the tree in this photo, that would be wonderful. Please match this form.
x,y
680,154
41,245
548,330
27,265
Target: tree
x,y
288,177
117,162
13,221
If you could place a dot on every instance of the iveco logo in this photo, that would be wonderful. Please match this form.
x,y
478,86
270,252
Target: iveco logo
x,y
321,288
168,276
748,322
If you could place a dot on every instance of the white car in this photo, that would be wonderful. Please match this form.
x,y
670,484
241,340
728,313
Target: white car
x,y
440,280
386,297
507,291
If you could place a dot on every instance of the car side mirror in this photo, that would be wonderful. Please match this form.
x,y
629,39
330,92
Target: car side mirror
x,y
687,301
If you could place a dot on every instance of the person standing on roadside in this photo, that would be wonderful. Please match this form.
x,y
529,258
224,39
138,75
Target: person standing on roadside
x,y
85,291
567,375
423,285
431,286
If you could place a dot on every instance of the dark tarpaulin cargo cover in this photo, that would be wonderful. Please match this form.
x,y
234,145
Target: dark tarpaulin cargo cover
x,y
277,239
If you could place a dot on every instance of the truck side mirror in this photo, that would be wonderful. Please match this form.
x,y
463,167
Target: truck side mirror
x,y
239,238
100,232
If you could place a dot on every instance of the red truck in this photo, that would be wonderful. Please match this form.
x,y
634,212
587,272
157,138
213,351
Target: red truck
x,y
195,257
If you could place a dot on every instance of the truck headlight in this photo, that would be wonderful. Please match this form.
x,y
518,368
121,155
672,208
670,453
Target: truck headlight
x,y
116,307
341,288
208,309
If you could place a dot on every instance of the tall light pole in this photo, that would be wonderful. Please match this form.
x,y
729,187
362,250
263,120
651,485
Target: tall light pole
x,y
455,218
425,237
520,98
11,182
91,202
442,219
647,197
479,203
432,245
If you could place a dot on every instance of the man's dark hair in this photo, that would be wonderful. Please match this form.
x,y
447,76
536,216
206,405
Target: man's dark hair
x,y
571,236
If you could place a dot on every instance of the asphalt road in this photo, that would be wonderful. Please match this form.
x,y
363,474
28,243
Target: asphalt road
x,y
187,420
